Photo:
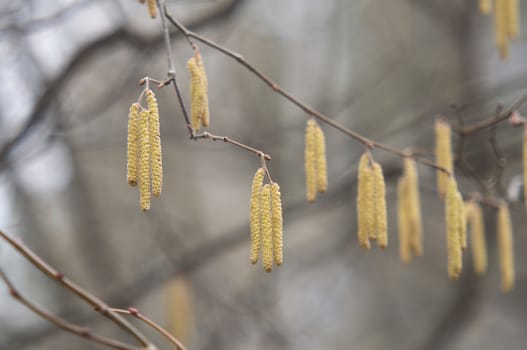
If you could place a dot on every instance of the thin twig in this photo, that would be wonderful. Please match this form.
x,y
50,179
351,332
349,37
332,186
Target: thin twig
x,y
61,323
95,302
495,180
135,313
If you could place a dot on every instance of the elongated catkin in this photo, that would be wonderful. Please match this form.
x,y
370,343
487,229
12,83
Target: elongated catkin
x,y
381,221
255,219
364,202
278,231
478,242
443,152
205,114
501,27
453,231
155,144
513,20
132,147
321,163
267,229
197,93
405,252
462,222
485,6
144,161
506,248
413,205
180,311
310,161
152,8
525,165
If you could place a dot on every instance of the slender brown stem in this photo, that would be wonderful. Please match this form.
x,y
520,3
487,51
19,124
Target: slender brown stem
x,y
135,313
95,302
61,323
208,135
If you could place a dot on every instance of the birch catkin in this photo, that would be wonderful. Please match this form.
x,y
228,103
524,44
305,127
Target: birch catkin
x,y
267,229
478,242
364,202
180,310
453,230
320,156
501,27
513,20
413,206
132,147
485,6
205,113
506,248
310,161
152,8
197,93
443,153
278,233
405,252
144,162
155,144
255,214
462,222
381,225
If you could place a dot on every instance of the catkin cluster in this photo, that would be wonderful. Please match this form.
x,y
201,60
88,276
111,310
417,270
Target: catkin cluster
x,y
371,204
443,154
409,213
266,222
199,100
315,161
144,161
506,248
455,228
506,22
474,218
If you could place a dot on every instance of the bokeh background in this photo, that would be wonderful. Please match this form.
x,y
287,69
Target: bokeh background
x,y
69,71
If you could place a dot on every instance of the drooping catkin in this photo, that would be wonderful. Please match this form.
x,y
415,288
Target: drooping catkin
x,y
144,161
155,144
152,8
513,20
267,229
197,93
485,6
443,153
180,310
452,218
478,242
462,222
381,224
321,163
255,219
132,147
310,161
506,248
501,27
278,231
365,216
205,114
525,165
405,253
413,205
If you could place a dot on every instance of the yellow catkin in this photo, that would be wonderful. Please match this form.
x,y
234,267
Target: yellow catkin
x,y
443,153
278,230
413,205
155,144
405,253
321,163
205,114
364,202
485,6
152,8
452,218
144,162
513,20
381,221
501,27
310,161
197,94
462,222
506,248
267,229
132,147
180,313
525,166
474,217
255,214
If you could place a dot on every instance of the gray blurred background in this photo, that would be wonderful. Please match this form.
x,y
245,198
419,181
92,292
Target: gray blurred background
x,y
69,71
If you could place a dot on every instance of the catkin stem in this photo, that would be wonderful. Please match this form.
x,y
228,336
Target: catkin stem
x,y
278,232
267,229
506,248
255,214
310,161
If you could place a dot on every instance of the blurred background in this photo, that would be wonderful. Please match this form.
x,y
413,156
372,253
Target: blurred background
x,y
70,70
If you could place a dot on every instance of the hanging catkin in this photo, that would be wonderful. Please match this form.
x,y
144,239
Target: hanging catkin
x,y
501,27
381,225
506,248
525,165
405,252
180,311
365,207
478,242
197,94
452,216
152,8
485,6
278,233
443,152
513,20
155,144
144,161
132,147
462,222
310,161
255,214
267,229
413,205
320,156
205,114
